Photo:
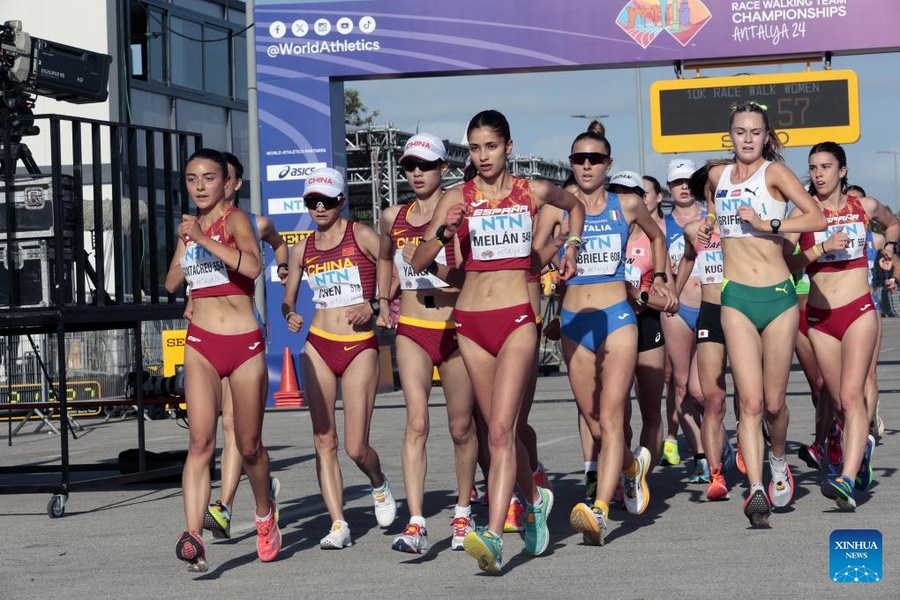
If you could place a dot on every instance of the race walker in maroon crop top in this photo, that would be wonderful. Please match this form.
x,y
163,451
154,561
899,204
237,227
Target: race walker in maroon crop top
x,y
855,223
402,233
339,276
206,274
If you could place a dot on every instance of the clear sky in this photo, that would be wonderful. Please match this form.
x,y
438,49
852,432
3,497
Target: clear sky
x,y
539,108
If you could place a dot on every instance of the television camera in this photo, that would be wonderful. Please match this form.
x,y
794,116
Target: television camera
x,y
154,386
31,67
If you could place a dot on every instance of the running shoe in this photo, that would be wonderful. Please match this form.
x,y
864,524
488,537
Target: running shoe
x,y
537,535
486,548
670,453
274,490
637,494
268,536
701,472
461,528
413,540
864,476
337,538
839,489
728,457
218,520
718,487
876,429
385,505
590,486
540,477
781,487
190,549
834,451
813,455
757,508
515,517
739,460
590,522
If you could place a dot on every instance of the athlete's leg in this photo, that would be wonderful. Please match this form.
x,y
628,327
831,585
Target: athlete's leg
x,y
460,403
359,384
415,369
649,382
778,343
249,387
230,462
711,367
680,348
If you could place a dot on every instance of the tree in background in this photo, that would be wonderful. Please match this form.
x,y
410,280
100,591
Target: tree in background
x,y
355,112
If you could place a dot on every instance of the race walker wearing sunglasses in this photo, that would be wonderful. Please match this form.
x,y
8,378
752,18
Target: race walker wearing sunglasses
x,y
313,201
595,158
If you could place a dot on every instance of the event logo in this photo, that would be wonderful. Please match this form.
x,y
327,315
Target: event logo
x,y
291,172
644,20
855,556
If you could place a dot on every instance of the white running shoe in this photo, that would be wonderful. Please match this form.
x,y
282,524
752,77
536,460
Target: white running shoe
x,y
413,540
637,494
781,488
337,538
385,505
461,528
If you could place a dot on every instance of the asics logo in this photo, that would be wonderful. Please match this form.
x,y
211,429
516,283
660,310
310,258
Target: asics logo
x,y
864,307
521,318
254,346
658,337
781,289
349,348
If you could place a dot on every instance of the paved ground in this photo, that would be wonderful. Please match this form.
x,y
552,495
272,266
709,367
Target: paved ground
x,y
118,541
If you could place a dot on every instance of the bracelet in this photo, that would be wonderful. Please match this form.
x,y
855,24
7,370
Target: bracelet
x,y
817,251
574,240
283,266
287,317
380,298
240,257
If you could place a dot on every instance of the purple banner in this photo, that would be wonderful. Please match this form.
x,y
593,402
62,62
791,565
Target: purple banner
x,y
305,49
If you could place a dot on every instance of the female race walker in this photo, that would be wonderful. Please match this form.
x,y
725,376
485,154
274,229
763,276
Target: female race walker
x,y
492,213
218,514
426,338
218,256
338,259
759,306
598,327
843,322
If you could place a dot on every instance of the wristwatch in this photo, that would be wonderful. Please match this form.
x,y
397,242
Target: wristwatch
x,y
643,298
776,225
662,274
376,308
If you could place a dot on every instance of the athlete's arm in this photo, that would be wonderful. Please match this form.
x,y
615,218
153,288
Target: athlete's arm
x,y
384,268
430,247
270,235
545,193
292,287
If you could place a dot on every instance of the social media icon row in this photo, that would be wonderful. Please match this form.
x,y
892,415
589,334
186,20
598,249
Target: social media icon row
x,y
321,27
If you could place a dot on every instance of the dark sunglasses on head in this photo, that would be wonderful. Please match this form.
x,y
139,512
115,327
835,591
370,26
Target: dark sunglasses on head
x,y
595,158
313,201
411,164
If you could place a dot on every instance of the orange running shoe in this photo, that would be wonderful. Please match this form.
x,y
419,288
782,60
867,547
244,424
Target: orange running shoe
x,y
515,517
268,536
718,487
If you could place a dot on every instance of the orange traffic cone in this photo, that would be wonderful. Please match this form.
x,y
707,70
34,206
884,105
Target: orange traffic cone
x,y
288,395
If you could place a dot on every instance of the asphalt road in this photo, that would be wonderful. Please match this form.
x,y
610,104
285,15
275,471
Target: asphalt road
x,y
117,541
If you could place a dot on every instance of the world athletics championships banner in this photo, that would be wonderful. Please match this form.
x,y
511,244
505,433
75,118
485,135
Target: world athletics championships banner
x,y
304,49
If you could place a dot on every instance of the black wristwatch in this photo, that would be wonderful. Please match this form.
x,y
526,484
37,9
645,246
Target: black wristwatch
x,y
776,225
439,234
662,274
376,309
643,298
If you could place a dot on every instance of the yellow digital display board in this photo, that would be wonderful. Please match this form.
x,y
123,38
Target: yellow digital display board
x,y
691,115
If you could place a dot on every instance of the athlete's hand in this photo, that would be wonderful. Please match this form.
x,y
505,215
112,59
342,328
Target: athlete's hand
x,y
385,319
838,240
886,264
189,228
749,216
567,265
294,322
454,218
359,314
888,251
408,251
704,231
891,284
658,288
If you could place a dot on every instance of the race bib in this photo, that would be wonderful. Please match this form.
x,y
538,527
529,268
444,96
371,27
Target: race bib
x,y
410,280
336,288
600,255
856,247
497,233
202,269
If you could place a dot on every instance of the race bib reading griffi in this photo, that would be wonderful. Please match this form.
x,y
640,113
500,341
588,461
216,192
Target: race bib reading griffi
x,y
497,233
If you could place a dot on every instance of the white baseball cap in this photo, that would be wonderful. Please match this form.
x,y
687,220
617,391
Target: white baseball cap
x,y
425,146
629,180
680,168
324,181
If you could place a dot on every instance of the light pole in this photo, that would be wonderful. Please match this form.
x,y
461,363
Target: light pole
x,y
896,153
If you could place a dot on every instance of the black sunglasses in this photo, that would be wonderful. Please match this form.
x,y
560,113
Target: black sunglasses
x,y
409,165
313,201
595,158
